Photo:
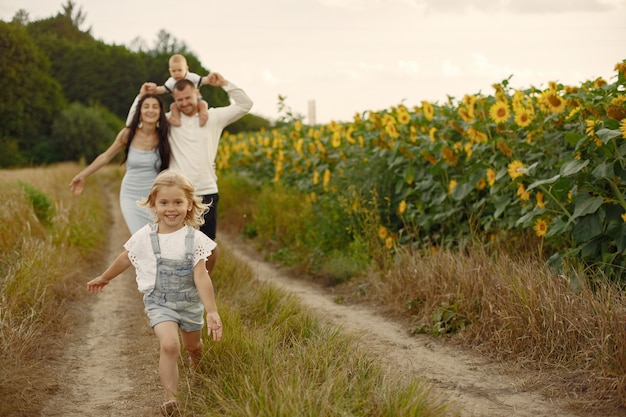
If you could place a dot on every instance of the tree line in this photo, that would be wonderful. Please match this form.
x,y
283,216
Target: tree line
x,y
65,94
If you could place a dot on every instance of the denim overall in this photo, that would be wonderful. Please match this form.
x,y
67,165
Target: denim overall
x,y
175,296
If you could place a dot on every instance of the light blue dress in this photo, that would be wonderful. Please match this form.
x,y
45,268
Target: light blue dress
x,y
142,168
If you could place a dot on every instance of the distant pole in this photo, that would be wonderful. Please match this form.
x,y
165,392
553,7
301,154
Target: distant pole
x,y
312,112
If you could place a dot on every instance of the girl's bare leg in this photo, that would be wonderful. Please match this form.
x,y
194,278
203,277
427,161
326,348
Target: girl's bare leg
x,y
192,341
167,333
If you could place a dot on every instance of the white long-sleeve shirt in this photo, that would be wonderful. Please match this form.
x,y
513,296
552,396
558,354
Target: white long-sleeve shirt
x,y
194,147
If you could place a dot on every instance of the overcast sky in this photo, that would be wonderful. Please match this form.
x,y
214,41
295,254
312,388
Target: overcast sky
x,y
355,55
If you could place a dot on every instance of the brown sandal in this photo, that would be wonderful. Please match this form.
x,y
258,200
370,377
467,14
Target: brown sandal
x,y
170,408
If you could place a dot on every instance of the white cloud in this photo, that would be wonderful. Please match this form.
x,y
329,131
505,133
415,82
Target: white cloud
x,y
450,70
408,67
269,77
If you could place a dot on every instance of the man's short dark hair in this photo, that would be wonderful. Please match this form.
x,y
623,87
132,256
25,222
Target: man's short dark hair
x,y
182,84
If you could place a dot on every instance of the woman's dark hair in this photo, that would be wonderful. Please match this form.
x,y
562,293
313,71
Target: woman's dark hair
x,y
163,130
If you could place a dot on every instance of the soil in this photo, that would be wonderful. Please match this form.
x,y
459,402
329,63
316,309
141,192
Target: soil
x,y
109,366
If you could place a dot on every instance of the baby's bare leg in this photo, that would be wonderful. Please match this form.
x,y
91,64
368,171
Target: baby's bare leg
x,y
203,112
174,115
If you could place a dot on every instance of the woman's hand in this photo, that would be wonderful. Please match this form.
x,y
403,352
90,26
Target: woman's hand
x,y
77,184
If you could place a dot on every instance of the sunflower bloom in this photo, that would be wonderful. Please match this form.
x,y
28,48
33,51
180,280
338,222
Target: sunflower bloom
x,y
297,125
391,130
540,227
504,148
431,134
430,158
336,141
468,149
552,101
429,110
540,202
481,184
389,242
401,207
452,186
523,117
513,169
449,156
622,128
316,177
522,193
404,117
476,136
623,216
491,176
499,112
466,114
326,179
382,232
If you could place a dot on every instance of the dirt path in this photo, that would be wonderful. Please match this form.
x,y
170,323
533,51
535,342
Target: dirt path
x,y
109,366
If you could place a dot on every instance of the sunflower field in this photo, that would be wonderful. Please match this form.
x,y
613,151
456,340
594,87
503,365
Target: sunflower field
x,y
548,162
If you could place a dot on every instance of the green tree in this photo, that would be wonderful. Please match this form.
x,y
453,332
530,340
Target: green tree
x,y
30,98
82,132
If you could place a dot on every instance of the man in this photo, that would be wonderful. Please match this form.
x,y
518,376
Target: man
x,y
194,147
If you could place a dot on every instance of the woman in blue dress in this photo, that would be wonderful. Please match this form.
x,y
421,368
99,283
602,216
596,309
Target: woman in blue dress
x,y
146,153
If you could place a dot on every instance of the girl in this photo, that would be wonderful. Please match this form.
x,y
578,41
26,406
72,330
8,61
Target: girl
x,y
169,258
146,152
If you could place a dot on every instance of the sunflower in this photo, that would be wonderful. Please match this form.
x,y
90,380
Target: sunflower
x,y
429,157
540,202
476,136
336,141
401,207
449,155
452,186
431,134
522,193
466,114
513,169
404,117
326,180
523,117
382,232
552,101
622,128
491,176
499,112
429,110
504,148
481,184
540,227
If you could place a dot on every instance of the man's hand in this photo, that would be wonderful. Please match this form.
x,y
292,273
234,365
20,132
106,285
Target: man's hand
x,y
215,79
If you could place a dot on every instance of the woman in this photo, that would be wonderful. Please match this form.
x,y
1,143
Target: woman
x,y
146,153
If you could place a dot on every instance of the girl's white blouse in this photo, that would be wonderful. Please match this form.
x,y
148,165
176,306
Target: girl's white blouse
x,y
172,246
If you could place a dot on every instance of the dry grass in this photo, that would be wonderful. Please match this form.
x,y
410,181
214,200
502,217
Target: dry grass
x,y
516,311
45,238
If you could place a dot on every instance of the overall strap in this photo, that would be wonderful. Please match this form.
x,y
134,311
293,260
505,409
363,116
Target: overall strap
x,y
190,243
154,240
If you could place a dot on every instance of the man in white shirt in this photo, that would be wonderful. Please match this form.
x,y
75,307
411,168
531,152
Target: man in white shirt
x,y
194,147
